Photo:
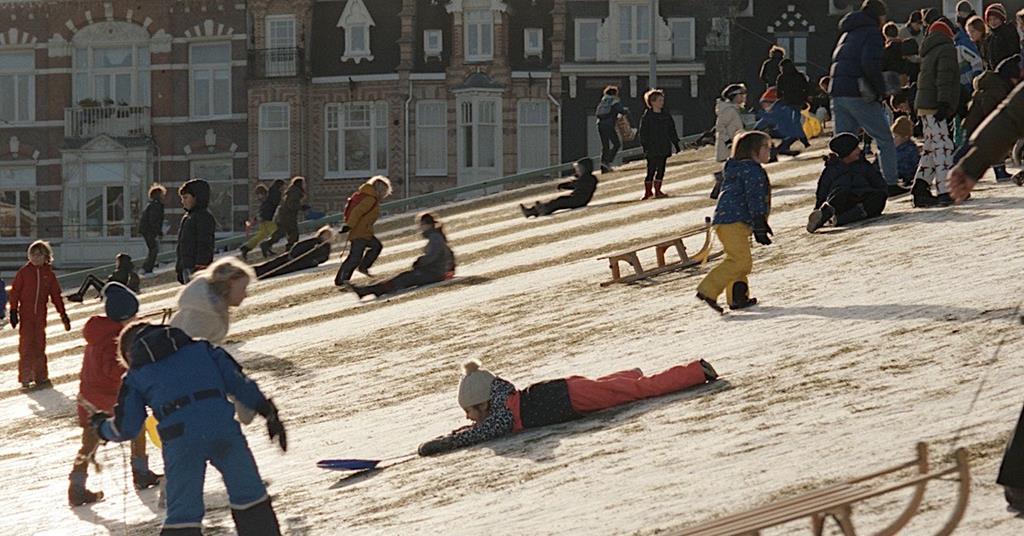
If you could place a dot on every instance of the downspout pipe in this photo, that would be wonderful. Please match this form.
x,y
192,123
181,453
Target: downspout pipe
x,y
558,110
408,101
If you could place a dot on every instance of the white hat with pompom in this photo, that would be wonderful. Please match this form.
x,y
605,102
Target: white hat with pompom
x,y
475,387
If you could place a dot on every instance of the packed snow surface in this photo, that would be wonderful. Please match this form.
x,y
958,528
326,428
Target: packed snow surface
x,y
867,340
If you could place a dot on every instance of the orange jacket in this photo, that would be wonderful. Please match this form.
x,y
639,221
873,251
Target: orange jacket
x,y
364,214
100,379
32,287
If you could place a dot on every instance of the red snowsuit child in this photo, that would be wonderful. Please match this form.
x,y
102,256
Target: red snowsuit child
x,y
499,409
33,285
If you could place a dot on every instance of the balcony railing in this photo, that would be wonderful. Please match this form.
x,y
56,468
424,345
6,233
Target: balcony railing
x,y
276,63
112,120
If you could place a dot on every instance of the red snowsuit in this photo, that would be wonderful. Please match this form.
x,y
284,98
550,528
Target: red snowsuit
x,y
32,287
100,379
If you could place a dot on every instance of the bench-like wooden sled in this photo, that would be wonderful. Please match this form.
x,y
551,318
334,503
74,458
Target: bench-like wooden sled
x,y
164,314
660,249
837,502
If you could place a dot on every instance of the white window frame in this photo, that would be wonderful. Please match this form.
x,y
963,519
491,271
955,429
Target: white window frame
x,y
263,171
533,131
17,74
692,41
129,172
788,40
224,228
211,69
630,45
528,49
483,19
10,183
432,51
378,114
597,31
272,41
139,72
281,55
431,132
476,103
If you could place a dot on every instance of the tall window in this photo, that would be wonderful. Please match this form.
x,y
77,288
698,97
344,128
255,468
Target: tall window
x,y
683,38
533,42
18,202
479,31
275,142
210,71
116,75
433,43
796,48
281,58
356,139
102,197
17,85
534,135
586,39
220,174
478,133
634,29
432,138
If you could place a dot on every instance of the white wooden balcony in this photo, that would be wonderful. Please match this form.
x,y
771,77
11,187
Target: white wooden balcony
x,y
113,120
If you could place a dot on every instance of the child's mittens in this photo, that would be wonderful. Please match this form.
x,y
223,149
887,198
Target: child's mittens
x,y
66,321
762,231
275,428
438,445
96,420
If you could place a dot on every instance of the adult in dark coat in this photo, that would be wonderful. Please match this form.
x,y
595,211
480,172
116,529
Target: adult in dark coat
x,y
582,187
792,85
196,231
770,69
1002,40
435,265
151,225
287,216
308,253
850,188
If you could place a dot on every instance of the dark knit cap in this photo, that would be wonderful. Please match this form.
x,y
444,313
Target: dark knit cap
x,y
875,8
964,7
930,15
586,164
119,302
915,16
997,10
843,144
1009,69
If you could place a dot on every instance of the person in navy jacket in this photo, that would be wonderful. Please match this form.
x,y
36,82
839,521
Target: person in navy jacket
x,y
186,383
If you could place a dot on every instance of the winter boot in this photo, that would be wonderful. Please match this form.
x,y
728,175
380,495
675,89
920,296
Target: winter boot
x,y
258,520
78,494
1001,174
43,384
25,386
364,271
820,217
717,189
77,297
606,168
1018,178
713,304
895,190
786,149
1014,498
183,531
648,191
855,214
657,191
709,372
244,251
266,251
741,296
923,197
141,475
944,200
773,155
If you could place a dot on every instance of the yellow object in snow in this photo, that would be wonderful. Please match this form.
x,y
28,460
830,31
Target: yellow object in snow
x,y
812,126
154,436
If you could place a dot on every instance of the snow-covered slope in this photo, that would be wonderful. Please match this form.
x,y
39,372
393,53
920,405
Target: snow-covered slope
x,y
869,339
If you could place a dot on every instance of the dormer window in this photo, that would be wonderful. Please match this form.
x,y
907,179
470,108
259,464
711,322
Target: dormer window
x,y
356,21
479,31
432,43
533,42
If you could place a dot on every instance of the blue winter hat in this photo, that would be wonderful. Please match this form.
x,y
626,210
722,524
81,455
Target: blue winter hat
x,y
119,302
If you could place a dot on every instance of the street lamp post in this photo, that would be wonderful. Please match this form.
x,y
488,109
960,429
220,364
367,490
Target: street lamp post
x,y
652,80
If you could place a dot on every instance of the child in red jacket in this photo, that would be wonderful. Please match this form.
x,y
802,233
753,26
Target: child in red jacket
x,y
99,383
33,285
497,408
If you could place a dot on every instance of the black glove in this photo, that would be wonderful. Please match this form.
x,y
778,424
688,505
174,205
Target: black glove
x,y
275,428
345,228
942,112
96,420
437,446
66,321
14,319
762,231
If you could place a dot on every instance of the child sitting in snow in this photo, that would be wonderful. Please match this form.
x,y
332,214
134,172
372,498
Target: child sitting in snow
x,y
782,122
435,265
908,154
850,188
124,273
742,210
497,408
99,383
582,187
34,285
305,254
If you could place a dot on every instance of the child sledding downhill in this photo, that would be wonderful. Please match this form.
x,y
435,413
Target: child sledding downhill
x,y
99,383
308,253
582,187
742,210
186,384
498,409
435,265
850,188
124,273
658,137
34,285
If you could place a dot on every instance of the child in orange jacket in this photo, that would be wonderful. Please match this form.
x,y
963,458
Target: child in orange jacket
x,y
33,285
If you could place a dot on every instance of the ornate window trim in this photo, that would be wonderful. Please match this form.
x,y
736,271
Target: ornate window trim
x,y
355,20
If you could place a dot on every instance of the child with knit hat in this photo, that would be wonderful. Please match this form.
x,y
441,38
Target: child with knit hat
x,y
1002,40
908,154
497,408
728,121
99,383
850,188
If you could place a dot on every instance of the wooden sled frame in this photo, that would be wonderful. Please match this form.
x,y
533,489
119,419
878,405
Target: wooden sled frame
x,y
164,314
837,502
631,258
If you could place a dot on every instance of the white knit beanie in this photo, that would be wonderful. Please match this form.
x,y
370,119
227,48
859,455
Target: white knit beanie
x,y
475,387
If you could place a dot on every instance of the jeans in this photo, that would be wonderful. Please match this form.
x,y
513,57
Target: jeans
x,y
655,168
153,244
362,253
852,113
610,143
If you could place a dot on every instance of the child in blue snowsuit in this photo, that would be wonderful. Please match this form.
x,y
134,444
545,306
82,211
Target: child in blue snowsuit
x,y
186,383
781,122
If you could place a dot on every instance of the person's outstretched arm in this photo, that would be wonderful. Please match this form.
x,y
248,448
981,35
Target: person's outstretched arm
x,y
993,139
129,415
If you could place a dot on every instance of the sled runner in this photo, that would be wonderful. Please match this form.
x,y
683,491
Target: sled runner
x,y
632,258
837,502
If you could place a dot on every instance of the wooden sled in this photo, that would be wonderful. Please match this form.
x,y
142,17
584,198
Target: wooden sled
x,y
837,502
631,258
164,314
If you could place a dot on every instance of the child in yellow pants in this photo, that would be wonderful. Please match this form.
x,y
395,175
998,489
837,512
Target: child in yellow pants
x,y
743,207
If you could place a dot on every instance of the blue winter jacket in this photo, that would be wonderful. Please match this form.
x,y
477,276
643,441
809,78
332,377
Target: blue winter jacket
x,y
858,55
971,64
782,121
185,382
3,298
839,178
746,193
908,156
